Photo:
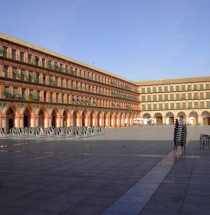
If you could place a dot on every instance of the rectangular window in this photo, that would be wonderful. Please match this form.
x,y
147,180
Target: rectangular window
x,y
5,72
177,88
171,88
207,86
57,94
155,107
154,89
148,90
183,96
195,96
160,89
177,97
37,77
29,58
171,97
208,95
149,106
45,96
38,95
183,87
49,65
67,83
195,86
143,107
22,56
188,87
166,97
195,104
14,72
154,98
148,98
160,98
202,104
44,79
13,54
190,105
161,106
143,98
208,104
4,51
165,89
189,95
43,62
184,105
36,61
178,106
172,105
23,93
51,97
62,98
166,106
142,90
201,86
67,99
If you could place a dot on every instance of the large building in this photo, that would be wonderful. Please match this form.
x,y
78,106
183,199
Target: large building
x,y
42,88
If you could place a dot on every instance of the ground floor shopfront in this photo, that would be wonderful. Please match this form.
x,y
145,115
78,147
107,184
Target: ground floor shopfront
x,y
33,115
191,117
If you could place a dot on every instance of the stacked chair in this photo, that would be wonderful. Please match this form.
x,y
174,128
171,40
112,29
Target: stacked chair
x,y
180,134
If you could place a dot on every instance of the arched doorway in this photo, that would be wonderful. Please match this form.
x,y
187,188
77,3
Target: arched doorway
x,y
75,119
54,118
64,119
147,119
41,119
206,118
181,116
193,118
158,118
169,119
91,119
26,118
83,118
10,119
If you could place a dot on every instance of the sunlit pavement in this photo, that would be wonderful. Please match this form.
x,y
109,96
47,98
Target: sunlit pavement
x,y
128,171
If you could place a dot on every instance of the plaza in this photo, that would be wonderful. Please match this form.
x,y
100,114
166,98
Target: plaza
x,y
128,171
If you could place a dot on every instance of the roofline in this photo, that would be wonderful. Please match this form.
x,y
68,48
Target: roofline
x,y
173,81
46,51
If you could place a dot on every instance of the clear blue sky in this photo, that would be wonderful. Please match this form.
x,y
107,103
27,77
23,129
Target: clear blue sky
x,y
135,39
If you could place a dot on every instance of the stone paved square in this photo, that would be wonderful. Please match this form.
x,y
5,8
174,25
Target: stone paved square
x,y
89,175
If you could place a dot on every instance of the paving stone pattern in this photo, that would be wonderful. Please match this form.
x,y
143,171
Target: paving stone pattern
x,y
88,176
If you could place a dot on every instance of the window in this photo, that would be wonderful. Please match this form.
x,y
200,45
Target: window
x,y
148,98
207,86
172,105
143,98
22,56
23,93
49,65
36,61
188,87
44,79
67,99
154,98
38,95
61,82
149,106
177,97
155,107
183,87
43,62
208,95
202,104
45,96
37,77
161,106
208,104
177,88
171,88
195,86
183,96
4,51
189,95
195,104
171,96
62,98
201,86
166,97
165,89
57,94
148,90
51,97
195,96
178,106
13,54
5,72
184,105
166,106
14,72
142,90
154,89
29,58
160,98
190,105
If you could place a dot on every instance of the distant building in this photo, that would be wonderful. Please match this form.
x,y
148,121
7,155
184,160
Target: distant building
x,y
42,88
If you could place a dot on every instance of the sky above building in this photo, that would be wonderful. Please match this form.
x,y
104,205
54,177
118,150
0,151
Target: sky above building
x,y
135,39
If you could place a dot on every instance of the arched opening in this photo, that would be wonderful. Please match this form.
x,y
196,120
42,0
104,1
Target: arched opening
x,y
158,118
105,119
115,120
75,119
120,120
181,116
147,119
111,120
193,118
54,119
41,119
206,118
26,118
91,119
64,119
169,119
99,119
10,119
83,118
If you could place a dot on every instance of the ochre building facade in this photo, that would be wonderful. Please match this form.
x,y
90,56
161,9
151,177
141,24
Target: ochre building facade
x,y
39,87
